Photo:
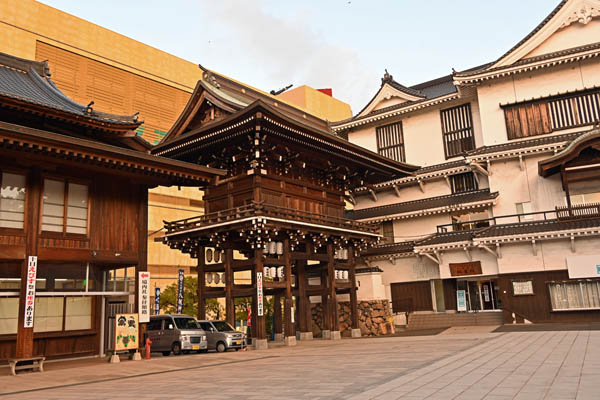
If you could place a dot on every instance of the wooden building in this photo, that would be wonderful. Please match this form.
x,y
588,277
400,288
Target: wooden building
x,y
503,214
74,193
280,206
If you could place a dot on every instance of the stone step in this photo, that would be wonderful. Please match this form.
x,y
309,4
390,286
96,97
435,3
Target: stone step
x,y
426,321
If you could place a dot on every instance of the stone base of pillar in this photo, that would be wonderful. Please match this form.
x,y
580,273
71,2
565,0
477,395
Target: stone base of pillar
x,y
279,337
290,340
137,356
356,332
260,344
304,335
114,359
335,335
326,334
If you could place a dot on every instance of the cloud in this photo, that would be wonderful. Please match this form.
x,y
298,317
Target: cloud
x,y
275,51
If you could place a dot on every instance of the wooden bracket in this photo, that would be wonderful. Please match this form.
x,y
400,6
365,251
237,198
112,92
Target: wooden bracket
x,y
486,248
433,258
572,244
489,169
479,169
421,185
498,250
392,261
534,247
373,194
521,163
448,182
397,190
351,198
468,252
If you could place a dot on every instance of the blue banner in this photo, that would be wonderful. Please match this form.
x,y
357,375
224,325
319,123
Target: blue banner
x,y
180,292
157,300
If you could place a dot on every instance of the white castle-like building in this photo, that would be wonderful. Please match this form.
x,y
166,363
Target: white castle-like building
x,y
504,212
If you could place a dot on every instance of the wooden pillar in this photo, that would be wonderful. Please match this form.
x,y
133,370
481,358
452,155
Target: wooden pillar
x,y
302,300
142,264
353,290
201,283
259,330
565,185
277,316
229,301
334,323
24,347
325,301
288,303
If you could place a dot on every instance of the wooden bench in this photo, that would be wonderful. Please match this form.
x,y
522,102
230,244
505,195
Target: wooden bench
x,y
37,363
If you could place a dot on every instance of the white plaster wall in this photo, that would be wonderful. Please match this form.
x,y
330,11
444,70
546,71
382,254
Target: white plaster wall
x,y
370,286
407,229
571,36
489,265
365,138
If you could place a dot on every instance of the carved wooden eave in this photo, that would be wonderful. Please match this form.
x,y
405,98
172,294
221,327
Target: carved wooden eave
x,y
553,164
514,61
550,235
139,165
390,256
444,246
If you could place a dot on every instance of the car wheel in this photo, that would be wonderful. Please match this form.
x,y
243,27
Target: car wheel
x,y
221,347
166,353
176,349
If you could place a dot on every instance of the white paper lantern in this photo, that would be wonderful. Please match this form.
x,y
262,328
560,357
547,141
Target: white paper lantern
x,y
337,275
217,256
346,275
266,272
280,272
279,248
209,255
272,247
209,278
273,272
216,278
345,254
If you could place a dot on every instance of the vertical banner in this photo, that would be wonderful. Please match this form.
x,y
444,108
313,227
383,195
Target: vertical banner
x,y
30,291
144,296
259,294
157,300
180,280
461,300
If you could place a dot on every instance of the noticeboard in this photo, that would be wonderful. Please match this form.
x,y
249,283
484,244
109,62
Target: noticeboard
x,y
126,332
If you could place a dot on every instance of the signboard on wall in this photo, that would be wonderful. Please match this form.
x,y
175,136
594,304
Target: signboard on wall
x,y
464,269
30,291
157,300
583,266
461,300
259,294
486,293
522,288
126,332
180,282
144,296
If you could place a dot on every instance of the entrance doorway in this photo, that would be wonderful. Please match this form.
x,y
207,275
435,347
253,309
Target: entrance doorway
x,y
481,294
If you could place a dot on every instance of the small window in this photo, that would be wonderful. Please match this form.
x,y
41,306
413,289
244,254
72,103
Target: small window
x,y
576,295
464,183
9,315
525,208
155,325
78,313
387,230
457,130
12,201
390,141
65,207
48,314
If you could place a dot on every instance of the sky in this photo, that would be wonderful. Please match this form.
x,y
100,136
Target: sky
x,y
341,44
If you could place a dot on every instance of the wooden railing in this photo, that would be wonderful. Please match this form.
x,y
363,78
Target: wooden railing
x,y
259,209
580,211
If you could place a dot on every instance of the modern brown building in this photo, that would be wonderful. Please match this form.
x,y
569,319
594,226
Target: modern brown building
x,y
74,194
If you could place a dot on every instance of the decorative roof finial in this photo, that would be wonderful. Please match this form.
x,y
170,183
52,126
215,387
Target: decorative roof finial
x,y
387,77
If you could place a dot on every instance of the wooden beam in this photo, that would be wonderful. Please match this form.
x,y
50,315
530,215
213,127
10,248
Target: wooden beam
x,y
229,301
302,299
333,313
288,302
353,290
201,284
277,317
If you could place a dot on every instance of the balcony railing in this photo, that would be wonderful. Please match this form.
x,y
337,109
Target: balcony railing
x,y
577,212
259,209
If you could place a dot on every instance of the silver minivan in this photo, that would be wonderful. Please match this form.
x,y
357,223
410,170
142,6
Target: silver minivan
x,y
221,336
176,333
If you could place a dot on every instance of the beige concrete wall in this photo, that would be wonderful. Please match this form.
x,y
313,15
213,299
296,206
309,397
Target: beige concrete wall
x,y
317,103
574,35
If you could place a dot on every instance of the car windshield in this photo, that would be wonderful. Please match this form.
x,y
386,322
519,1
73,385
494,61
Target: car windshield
x,y
222,326
186,323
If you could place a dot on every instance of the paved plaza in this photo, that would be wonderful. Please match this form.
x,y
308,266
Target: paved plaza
x,y
460,363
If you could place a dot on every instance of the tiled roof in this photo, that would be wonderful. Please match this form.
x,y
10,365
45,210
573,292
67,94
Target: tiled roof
x,y
447,237
519,144
441,167
423,204
532,227
29,81
394,248
404,89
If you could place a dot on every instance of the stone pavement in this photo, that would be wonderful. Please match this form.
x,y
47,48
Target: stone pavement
x,y
459,364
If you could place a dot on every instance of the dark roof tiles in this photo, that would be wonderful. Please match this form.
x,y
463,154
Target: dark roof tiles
x,y
533,227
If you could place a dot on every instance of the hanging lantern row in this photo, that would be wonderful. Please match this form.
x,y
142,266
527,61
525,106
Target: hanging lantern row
x,y
275,248
273,272
216,255
215,277
341,274
341,254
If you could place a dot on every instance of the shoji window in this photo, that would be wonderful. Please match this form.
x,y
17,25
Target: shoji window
x,y
578,295
65,207
12,200
457,130
390,141
464,183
